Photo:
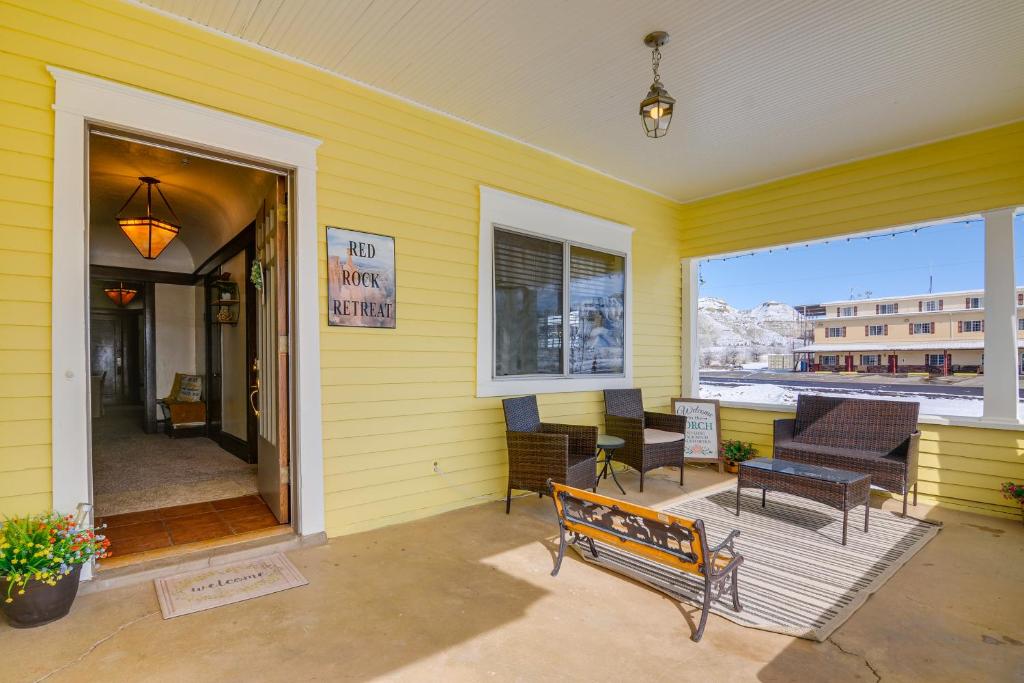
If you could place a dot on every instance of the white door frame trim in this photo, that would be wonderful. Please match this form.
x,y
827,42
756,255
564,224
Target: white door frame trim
x,y
82,100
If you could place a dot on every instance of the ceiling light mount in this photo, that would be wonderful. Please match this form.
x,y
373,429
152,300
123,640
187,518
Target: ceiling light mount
x,y
657,108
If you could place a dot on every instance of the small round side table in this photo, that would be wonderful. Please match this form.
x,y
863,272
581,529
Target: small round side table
x,y
608,444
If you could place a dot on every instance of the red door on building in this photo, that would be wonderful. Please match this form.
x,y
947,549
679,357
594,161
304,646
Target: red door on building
x,y
849,363
893,364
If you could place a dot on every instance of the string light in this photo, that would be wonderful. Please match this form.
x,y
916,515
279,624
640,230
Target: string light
x,y
892,235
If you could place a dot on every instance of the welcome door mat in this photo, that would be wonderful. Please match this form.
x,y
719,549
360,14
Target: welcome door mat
x,y
796,578
211,587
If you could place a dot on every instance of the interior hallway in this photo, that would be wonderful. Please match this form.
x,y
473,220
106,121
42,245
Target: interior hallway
x,y
467,596
135,471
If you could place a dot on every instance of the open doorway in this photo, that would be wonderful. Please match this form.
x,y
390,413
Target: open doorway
x,y
188,318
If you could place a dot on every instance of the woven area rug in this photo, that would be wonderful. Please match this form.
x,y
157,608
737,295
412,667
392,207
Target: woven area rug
x,y
796,578
211,587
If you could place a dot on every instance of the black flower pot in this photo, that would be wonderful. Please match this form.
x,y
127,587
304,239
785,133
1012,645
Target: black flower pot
x,y
41,603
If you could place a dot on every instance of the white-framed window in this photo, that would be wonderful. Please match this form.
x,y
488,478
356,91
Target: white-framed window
x,y
829,361
973,326
932,305
923,328
888,309
835,332
1020,323
974,302
847,311
876,330
555,300
868,359
937,360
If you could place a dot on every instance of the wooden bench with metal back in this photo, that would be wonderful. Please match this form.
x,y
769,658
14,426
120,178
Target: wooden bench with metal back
x,y
661,537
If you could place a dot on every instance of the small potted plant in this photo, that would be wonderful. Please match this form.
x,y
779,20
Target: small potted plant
x,y
41,558
1014,492
734,452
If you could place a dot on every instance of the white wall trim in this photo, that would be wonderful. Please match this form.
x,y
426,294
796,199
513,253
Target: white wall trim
x,y
1000,382
82,100
690,346
530,215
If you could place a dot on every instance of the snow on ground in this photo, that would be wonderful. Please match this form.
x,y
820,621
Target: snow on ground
x,y
753,366
773,393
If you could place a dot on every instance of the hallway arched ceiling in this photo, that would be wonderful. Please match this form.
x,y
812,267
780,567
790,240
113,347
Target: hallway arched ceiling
x,y
214,201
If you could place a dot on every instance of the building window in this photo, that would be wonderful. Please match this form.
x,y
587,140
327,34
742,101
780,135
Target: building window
x,y
554,300
974,302
870,360
829,361
972,326
875,330
1020,323
887,309
922,328
937,360
835,331
847,311
933,305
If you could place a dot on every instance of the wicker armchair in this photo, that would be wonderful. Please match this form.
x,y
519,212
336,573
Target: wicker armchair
x,y
539,451
653,440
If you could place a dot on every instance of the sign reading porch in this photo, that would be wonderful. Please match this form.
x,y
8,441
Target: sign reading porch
x,y
360,279
703,430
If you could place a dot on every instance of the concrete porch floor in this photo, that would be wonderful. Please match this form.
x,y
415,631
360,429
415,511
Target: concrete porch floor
x,y
467,596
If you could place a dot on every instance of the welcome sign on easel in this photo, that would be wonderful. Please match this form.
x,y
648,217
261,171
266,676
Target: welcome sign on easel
x,y
703,428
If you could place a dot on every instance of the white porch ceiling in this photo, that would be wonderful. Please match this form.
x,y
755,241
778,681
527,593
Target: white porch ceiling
x,y
764,89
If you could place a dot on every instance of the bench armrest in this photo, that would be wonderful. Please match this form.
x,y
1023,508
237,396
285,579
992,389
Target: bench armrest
x,y
665,422
783,430
725,545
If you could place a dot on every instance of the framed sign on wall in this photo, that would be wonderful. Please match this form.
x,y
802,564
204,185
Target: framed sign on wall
x,y
703,429
360,279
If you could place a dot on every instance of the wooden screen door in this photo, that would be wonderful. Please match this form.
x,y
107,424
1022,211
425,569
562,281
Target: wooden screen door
x,y
270,392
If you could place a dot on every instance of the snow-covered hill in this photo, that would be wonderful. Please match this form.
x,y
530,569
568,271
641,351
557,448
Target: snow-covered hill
x,y
729,336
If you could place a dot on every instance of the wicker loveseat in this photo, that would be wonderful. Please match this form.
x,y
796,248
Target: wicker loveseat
x,y
870,436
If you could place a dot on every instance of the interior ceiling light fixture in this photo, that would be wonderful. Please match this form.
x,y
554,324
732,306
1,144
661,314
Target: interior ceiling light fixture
x,y
657,108
149,234
121,295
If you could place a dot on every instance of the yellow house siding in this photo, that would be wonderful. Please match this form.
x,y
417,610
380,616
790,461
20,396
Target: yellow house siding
x,y
954,177
958,466
394,402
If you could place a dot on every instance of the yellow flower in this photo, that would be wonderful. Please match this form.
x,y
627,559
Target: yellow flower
x,y
9,600
21,592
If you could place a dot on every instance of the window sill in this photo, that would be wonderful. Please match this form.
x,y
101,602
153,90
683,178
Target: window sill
x,y
952,421
515,387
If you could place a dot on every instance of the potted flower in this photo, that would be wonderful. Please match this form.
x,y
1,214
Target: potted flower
x,y
734,452
1014,492
41,558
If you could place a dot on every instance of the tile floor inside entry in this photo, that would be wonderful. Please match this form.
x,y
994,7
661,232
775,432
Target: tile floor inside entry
x,y
137,532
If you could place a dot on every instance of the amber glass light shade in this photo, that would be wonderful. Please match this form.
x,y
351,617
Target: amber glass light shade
x,y
149,234
120,295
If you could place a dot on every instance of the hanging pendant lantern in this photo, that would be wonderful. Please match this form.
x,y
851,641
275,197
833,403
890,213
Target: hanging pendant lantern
x,y
120,295
657,108
149,234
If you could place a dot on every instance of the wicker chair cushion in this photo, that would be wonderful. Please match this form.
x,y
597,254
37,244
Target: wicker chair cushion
x,y
661,436
861,424
833,451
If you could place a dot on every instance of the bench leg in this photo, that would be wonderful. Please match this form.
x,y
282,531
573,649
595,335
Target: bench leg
x,y
735,580
593,548
703,612
561,550
508,499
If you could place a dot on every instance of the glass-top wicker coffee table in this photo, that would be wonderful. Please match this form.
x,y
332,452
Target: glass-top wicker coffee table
x,y
837,488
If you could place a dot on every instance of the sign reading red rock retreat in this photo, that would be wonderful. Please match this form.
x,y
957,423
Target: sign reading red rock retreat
x,y
360,279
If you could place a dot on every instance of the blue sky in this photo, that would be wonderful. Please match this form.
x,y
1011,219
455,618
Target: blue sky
x,y
885,266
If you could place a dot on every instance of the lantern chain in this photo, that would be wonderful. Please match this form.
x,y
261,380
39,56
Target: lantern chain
x,y
655,63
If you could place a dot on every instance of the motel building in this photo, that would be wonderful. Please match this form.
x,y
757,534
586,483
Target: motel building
x,y
269,269
938,334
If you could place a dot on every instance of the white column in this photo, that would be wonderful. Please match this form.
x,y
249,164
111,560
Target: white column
x,y
1000,382
688,341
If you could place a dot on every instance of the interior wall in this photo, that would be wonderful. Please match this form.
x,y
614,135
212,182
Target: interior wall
x,y
175,317
234,387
